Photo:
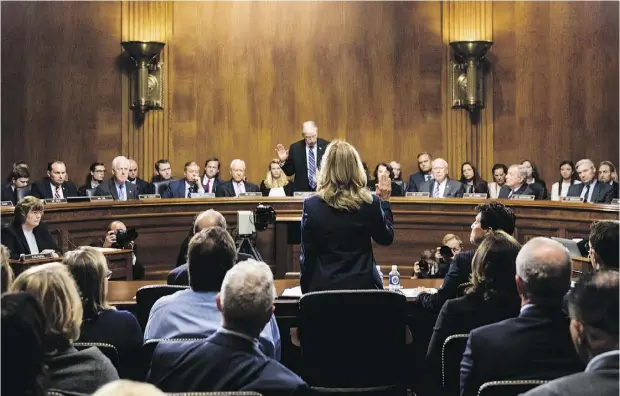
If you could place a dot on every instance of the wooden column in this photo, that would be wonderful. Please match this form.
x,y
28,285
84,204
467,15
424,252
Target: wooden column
x,y
466,139
148,141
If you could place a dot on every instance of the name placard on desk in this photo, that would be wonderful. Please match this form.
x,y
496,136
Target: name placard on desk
x,y
251,194
303,194
55,201
26,257
101,198
522,197
572,199
417,194
142,197
475,195
615,201
202,195
6,203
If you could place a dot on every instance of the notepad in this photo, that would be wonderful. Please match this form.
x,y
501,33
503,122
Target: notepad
x,y
292,292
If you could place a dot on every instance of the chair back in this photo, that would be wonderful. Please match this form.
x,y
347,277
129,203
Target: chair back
x,y
462,288
508,388
23,192
146,297
90,192
160,187
108,350
451,356
240,393
353,341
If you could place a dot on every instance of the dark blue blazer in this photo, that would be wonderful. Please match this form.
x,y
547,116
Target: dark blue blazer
x,y
603,192
42,189
535,345
415,181
14,239
180,275
525,189
176,189
336,246
222,362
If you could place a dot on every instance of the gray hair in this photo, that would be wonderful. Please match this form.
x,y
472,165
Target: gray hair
x,y
237,161
116,160
215,219
440,160
584,161
247,296
308,125
522,170
544,266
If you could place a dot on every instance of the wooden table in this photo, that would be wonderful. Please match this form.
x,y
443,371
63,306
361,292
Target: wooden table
x,y
419,224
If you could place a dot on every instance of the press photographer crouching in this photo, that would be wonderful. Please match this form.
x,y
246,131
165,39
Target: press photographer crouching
x,y
119,237
435,264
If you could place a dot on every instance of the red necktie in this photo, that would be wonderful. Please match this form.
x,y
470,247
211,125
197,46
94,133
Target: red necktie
x,y
208,185
57,193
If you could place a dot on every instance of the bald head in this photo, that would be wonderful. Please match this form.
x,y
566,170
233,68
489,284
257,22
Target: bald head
x,y
209,218
440,169
116,225
133,170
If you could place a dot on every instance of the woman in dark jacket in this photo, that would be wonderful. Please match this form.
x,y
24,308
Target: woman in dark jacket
x,y
471,179
381,169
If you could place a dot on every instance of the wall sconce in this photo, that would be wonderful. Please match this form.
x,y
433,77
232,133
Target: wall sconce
x,y
147,79
467,74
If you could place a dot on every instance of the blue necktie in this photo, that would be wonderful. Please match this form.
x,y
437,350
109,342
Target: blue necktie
x,y
311,169
121,192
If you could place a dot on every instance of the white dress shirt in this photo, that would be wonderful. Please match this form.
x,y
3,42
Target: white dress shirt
x,y
494,190
442,188
60,194
210,183
239,187
32,242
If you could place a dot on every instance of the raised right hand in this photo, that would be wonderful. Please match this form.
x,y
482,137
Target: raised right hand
x,y
282,152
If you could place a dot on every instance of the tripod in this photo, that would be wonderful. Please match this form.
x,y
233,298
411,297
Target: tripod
x,y
246,244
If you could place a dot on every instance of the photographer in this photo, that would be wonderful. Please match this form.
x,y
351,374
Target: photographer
x,y
422,268
115,229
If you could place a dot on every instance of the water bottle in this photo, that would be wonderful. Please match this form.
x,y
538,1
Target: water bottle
x,y
394,279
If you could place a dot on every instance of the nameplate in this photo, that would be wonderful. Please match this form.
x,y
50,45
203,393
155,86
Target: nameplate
x,y
202,195
251,194
303,194
9,203
613,201
475,195
523,197
55,201
572,199
149,196
26,257
417,194
101,198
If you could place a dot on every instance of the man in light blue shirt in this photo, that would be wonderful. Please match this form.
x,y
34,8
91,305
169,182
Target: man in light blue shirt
x,y
193,312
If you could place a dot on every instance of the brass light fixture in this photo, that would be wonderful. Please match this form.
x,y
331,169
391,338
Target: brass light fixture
x,y
147,79
468,74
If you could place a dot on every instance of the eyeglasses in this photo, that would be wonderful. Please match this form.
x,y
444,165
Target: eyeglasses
x,y
108,274
37,212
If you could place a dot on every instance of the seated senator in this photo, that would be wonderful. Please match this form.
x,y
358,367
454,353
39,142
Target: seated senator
x,y
193,312
441,186
26,234
55,185
118,187
237,184
276,184
591,190
384,168
186,186
516,183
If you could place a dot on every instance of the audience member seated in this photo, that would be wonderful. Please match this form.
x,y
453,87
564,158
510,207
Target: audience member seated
x,y
192,312
424,173
143,186
441,186
229,360
381,169
26,234
102,322
237,184
537,344
593,307
20,177
339,222
163,171
94,178
492,297
111,242
533,179
492,216
516,183
55,185
607,174
23,350
471,180
499,179
590,190
188,185
211,178
568,177
6,271
276,184
128,388
118,186
604,244
18,164
398,176
68,369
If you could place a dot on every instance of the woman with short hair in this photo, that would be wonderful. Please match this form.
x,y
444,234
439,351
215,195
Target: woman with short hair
x,y
383,168
69,369
276,184
101,321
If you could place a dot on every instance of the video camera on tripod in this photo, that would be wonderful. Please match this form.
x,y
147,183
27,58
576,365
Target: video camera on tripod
x,y
248,223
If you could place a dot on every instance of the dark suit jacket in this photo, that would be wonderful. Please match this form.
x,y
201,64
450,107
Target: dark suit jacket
x,y
601,379
13,238
176,189
397,190
415,181
480,188
108,187
525,189
226,189
42,189
539,188
603,192
535,345
454,188
297,163
288,189
180,275
144,187
614,188
82,190
336,247
222,362
8,194
216,184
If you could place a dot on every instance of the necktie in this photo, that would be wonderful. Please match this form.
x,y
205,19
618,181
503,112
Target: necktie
x,y
57,193
190,190
208,186
427,177
121,192
510,194
436,192
311,169
586,196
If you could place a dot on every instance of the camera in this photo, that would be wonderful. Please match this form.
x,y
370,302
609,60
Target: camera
x,y
124,237
263,216
445,252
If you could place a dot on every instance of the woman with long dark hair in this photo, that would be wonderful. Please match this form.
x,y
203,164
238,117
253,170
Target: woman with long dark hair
x,y
471,179
568,177
534,180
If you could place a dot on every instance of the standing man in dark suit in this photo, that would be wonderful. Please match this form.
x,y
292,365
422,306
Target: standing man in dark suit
x,y
20,177
593,307
118,186
537,344
211,178
55,184
237,184
441,186
188,185
303,158
425,173
143,186
590,189
516,183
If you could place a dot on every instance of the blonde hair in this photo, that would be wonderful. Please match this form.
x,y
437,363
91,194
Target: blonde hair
x,y
89,269
270,182
342,181
57,292
7,271
448,237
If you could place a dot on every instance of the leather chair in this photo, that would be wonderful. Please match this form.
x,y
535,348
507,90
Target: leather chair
x,y
353,342
160,187
108,350
508,388
23,192
451,356
146,297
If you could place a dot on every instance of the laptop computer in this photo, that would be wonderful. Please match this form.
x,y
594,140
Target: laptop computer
x,y
572,246
78,199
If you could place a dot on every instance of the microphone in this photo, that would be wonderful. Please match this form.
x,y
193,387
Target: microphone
x,y
66,238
